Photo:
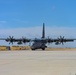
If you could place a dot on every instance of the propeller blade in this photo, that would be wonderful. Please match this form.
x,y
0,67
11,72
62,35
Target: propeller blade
x,y
12,43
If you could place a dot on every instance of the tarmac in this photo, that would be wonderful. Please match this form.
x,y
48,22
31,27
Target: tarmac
x,y
37,62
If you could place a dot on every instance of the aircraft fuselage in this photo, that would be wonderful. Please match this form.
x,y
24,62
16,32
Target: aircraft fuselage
x,y
38,45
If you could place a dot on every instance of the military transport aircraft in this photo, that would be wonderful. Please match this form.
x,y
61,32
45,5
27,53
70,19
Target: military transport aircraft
x,y
38,43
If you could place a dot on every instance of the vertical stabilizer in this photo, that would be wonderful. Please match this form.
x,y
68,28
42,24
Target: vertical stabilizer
x,y
43,31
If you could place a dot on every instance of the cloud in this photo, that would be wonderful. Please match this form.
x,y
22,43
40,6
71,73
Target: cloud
x,y
36,32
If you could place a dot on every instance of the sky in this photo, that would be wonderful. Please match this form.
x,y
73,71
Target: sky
x,y
25,18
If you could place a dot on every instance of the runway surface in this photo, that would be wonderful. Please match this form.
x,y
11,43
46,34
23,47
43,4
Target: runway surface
x,y
37,62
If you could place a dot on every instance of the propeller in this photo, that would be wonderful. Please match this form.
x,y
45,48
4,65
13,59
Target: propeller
x,y
10,39
61,40
49,40
23,39
61,37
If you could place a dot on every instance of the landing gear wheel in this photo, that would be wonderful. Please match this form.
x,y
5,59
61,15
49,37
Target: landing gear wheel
x,y
33,49
43,48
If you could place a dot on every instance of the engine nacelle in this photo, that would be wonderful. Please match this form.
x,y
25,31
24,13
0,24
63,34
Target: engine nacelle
x,y
19,43
57,43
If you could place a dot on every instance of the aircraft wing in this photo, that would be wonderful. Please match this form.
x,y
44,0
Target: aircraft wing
x,y
60,40
18,40
50,40
57,41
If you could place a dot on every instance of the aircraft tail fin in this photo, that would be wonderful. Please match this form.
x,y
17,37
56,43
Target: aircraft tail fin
x,y
43,31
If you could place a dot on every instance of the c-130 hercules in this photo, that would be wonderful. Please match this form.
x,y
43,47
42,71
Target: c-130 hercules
x,y
38,43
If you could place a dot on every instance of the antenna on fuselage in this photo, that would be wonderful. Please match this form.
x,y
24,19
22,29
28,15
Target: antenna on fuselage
x,y
43,31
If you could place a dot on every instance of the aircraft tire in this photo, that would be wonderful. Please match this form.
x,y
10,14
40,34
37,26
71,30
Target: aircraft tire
x,y
43,48
33,49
